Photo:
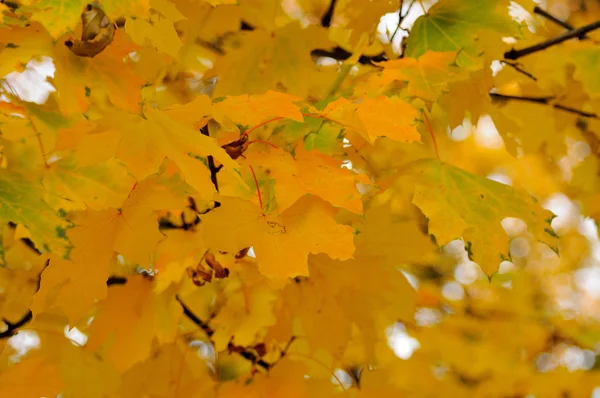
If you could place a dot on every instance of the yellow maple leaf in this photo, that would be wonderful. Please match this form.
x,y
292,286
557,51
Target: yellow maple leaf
x,y
428,77
264,61
143,143
376,117
250,110
17,380
131,231
248,312
308,172
110,73
20,44
158,29
129,319
281,242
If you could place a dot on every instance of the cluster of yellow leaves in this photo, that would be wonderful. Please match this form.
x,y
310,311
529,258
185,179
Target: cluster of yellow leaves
x,y
259,198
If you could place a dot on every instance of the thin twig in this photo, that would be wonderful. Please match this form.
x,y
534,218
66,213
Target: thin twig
x,y
544,101
192,317
401,19
580,32
540,11
516,67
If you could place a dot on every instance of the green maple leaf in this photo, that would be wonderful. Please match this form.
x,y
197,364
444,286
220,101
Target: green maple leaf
x,y
458,203
453,25
21,202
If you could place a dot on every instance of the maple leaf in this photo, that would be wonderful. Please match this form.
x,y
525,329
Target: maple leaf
x,y
428,76
391,238
248,312
21,202
308,172
254,109
95,186
458,203
19,277
131,231
143,143
192,378
16,381
584,59
105,73
453,25
395,121
57,16
131,327
31,44
282,242
234,198
263,62
158,29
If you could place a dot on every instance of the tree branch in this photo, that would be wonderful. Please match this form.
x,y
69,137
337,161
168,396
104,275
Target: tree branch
x,y
328,16
580,32
211,163
516,67
340,54
12,328
540,11
336,53
192,317
544,101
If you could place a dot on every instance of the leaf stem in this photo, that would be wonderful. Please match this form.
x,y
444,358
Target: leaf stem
x,y
437,154
257,187
264,142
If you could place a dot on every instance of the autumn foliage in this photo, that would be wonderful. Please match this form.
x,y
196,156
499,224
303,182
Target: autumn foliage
x,y
299,198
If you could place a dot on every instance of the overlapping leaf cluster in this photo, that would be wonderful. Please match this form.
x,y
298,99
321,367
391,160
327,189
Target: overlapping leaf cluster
x,y
272,198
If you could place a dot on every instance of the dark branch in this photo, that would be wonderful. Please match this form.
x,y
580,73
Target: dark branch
x,y
116,280
328,16
211,163
12,328
538,100
580,32
340,54
544,101
249,355
246,26
192,317
516,67
10,4
540,11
